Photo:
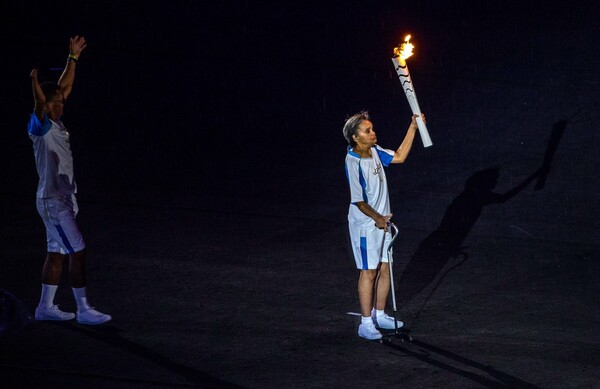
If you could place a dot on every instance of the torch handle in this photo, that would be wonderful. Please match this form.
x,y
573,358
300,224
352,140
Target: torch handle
x,y
423,132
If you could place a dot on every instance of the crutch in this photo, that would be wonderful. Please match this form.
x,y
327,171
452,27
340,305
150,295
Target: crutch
x,y
394,232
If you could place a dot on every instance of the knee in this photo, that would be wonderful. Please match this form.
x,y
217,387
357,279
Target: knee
x,y
368,275
384,268
55,258
79,255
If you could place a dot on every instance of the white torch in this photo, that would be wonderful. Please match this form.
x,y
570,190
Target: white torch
x,y
401,53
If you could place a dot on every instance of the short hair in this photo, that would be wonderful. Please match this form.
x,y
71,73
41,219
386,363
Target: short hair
x,y
50,89
351,126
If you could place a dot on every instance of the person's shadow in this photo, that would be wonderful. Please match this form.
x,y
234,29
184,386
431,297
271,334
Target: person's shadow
x,y
446,242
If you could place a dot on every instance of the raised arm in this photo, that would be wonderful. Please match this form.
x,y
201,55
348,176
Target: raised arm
x,y
38,96
404,149
76,46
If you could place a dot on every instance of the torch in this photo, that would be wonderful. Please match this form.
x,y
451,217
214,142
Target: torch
x,y
401,53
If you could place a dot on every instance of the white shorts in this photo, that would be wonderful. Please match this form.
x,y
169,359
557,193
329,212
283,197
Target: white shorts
x,y
369,246
62,233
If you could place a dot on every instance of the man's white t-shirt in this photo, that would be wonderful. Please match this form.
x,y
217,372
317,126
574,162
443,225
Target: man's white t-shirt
x,y
53,158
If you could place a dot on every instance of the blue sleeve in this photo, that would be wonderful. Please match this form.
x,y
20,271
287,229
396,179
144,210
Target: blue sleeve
x,y
37,128
386,156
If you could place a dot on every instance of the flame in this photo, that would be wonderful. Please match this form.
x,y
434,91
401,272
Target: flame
x,y
404,51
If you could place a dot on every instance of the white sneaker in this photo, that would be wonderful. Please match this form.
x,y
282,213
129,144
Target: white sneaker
x,y
384,321
52,313
91,316
368,331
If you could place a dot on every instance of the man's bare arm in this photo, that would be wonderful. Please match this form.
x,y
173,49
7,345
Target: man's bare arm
x,y
39,100
67,78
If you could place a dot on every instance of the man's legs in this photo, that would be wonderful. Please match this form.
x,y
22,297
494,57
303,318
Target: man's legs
x,y
86,314
77,269
52,269
63,235
51,273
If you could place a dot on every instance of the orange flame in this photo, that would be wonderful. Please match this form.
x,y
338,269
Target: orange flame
x,y
404,51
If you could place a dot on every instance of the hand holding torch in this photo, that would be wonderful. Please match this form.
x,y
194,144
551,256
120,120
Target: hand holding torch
x,y
401,53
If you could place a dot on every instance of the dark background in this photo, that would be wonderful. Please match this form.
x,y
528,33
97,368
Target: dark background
x,y
207,144
187,103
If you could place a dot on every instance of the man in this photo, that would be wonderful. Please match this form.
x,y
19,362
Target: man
x,y
369,215
56,201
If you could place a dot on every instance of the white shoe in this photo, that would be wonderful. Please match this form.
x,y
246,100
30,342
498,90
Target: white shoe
x,y
91,316
368,331
386,322
52,313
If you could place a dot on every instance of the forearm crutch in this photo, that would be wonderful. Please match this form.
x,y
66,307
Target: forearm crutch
x,y
402,335
394,232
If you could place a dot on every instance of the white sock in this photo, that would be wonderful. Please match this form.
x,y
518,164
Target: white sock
x,y
47,297
377,312
367,320
81,299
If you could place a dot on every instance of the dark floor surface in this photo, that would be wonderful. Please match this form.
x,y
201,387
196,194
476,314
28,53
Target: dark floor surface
x,y
260,301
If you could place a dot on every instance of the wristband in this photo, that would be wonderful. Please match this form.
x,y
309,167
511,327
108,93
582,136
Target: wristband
x,y
72,58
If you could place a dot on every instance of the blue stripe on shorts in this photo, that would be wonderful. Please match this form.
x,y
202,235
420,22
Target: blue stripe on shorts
x,y
363,252
63,236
